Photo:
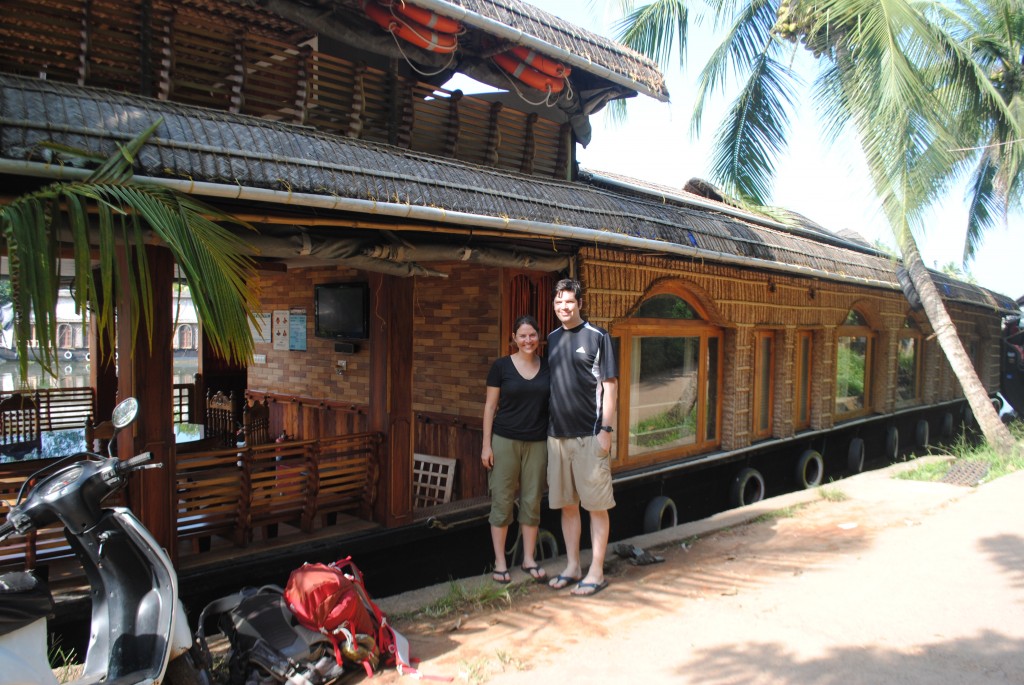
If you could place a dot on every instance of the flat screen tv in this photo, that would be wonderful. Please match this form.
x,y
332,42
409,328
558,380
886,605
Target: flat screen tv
x,y
342,311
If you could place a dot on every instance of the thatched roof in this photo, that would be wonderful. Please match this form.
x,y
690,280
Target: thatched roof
x,y
239,152
493,26
580,48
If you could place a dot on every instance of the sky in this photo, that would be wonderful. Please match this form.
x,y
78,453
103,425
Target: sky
x,y
825,182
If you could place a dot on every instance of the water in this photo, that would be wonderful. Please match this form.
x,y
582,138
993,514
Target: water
x,y
74,374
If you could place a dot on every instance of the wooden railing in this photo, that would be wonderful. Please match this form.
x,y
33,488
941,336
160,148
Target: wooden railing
x,y
234,494
61,408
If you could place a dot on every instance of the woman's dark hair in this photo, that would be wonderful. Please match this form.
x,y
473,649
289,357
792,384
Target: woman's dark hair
x,y
570,285
525,319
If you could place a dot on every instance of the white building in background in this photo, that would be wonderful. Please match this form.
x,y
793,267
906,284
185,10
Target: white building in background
x,y
73,334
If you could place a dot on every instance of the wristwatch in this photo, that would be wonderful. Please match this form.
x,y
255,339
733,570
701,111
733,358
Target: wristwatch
x,y
609,429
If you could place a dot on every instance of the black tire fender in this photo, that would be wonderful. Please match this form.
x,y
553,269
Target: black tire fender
x,y
661,513
892,443
855,455
947,425
810,469
747,487
921,434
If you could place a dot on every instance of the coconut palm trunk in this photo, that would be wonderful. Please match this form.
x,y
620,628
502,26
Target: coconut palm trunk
x,y
997,434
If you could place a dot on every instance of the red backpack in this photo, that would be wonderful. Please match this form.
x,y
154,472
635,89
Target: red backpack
x,y
332,599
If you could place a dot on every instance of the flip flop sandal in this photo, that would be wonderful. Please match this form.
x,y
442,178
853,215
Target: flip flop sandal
x,y
561,582
590,588
536,572
501,577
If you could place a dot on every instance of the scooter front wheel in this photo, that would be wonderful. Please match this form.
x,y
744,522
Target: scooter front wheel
x,y
185,670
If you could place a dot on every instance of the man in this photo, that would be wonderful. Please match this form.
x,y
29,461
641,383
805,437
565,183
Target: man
x,y
583,384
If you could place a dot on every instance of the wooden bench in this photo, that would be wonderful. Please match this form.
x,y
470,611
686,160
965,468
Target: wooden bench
x,y
209,495
279,478
343,468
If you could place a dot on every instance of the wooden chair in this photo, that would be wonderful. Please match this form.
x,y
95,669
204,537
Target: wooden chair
x,y
220,418
98,435
20,426
256,423
433,479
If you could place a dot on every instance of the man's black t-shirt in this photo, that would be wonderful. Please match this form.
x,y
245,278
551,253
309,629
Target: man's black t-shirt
x,y
523,403
580,358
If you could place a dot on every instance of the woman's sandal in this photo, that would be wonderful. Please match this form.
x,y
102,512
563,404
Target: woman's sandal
x,y
536,572
502,577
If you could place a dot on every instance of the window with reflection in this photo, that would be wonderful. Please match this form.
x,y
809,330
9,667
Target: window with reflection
x,y
673,360
764,390
853,365
908,362
802,396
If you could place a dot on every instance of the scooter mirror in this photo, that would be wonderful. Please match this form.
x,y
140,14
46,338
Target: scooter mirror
x,y
124,413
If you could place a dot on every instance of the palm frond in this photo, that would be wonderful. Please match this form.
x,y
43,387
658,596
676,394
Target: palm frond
x,y
737,54
656,29
753,135
103,217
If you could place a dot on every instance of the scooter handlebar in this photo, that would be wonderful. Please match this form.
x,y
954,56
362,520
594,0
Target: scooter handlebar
x,y
129,465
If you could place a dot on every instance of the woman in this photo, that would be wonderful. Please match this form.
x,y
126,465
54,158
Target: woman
x,y
515,445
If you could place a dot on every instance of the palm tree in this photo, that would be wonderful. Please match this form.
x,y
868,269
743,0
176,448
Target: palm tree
x,y
895,73
108,212
993,31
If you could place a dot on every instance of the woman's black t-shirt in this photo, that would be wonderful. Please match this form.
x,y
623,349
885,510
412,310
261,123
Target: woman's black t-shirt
x,y
523,404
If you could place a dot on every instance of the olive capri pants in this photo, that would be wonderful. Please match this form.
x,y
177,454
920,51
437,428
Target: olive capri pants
x,y
522,465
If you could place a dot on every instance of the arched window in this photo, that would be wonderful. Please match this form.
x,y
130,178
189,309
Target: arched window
x,y
185,338
65,336
855,347
670,373
908,362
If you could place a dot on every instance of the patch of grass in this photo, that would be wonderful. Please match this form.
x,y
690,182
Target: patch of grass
x,y
966,451
460,598
508,661
784,513
474,672
832,494
64,662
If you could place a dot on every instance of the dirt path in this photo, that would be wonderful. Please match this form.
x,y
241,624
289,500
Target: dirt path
x,y
901,582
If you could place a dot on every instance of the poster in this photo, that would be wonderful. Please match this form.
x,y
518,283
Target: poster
x,y
281,329
297,330
262,327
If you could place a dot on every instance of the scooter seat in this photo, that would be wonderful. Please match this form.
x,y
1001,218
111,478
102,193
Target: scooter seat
x,y
24,599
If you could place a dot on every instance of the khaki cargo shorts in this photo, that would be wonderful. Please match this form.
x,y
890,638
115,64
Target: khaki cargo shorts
x,y
579,472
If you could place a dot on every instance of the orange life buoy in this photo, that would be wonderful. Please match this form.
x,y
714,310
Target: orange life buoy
x,y
409,30
424,17
528,75
541,63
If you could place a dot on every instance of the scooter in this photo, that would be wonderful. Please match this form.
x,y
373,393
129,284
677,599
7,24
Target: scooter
x,y
139,631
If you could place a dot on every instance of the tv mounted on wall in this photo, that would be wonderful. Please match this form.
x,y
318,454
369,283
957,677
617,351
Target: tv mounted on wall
x,y
342,311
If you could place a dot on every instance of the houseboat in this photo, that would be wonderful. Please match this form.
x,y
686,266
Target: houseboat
x,y
401,227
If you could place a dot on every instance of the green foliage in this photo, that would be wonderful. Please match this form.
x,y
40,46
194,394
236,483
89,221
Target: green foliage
x,y
964,449
832,495
109,213
666,428
461,598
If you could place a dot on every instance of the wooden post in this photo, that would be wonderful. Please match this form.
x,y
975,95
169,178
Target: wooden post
x,y
146,373
391,331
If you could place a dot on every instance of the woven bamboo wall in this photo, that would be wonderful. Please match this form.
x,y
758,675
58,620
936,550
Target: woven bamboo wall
x,y
228,57
742,301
